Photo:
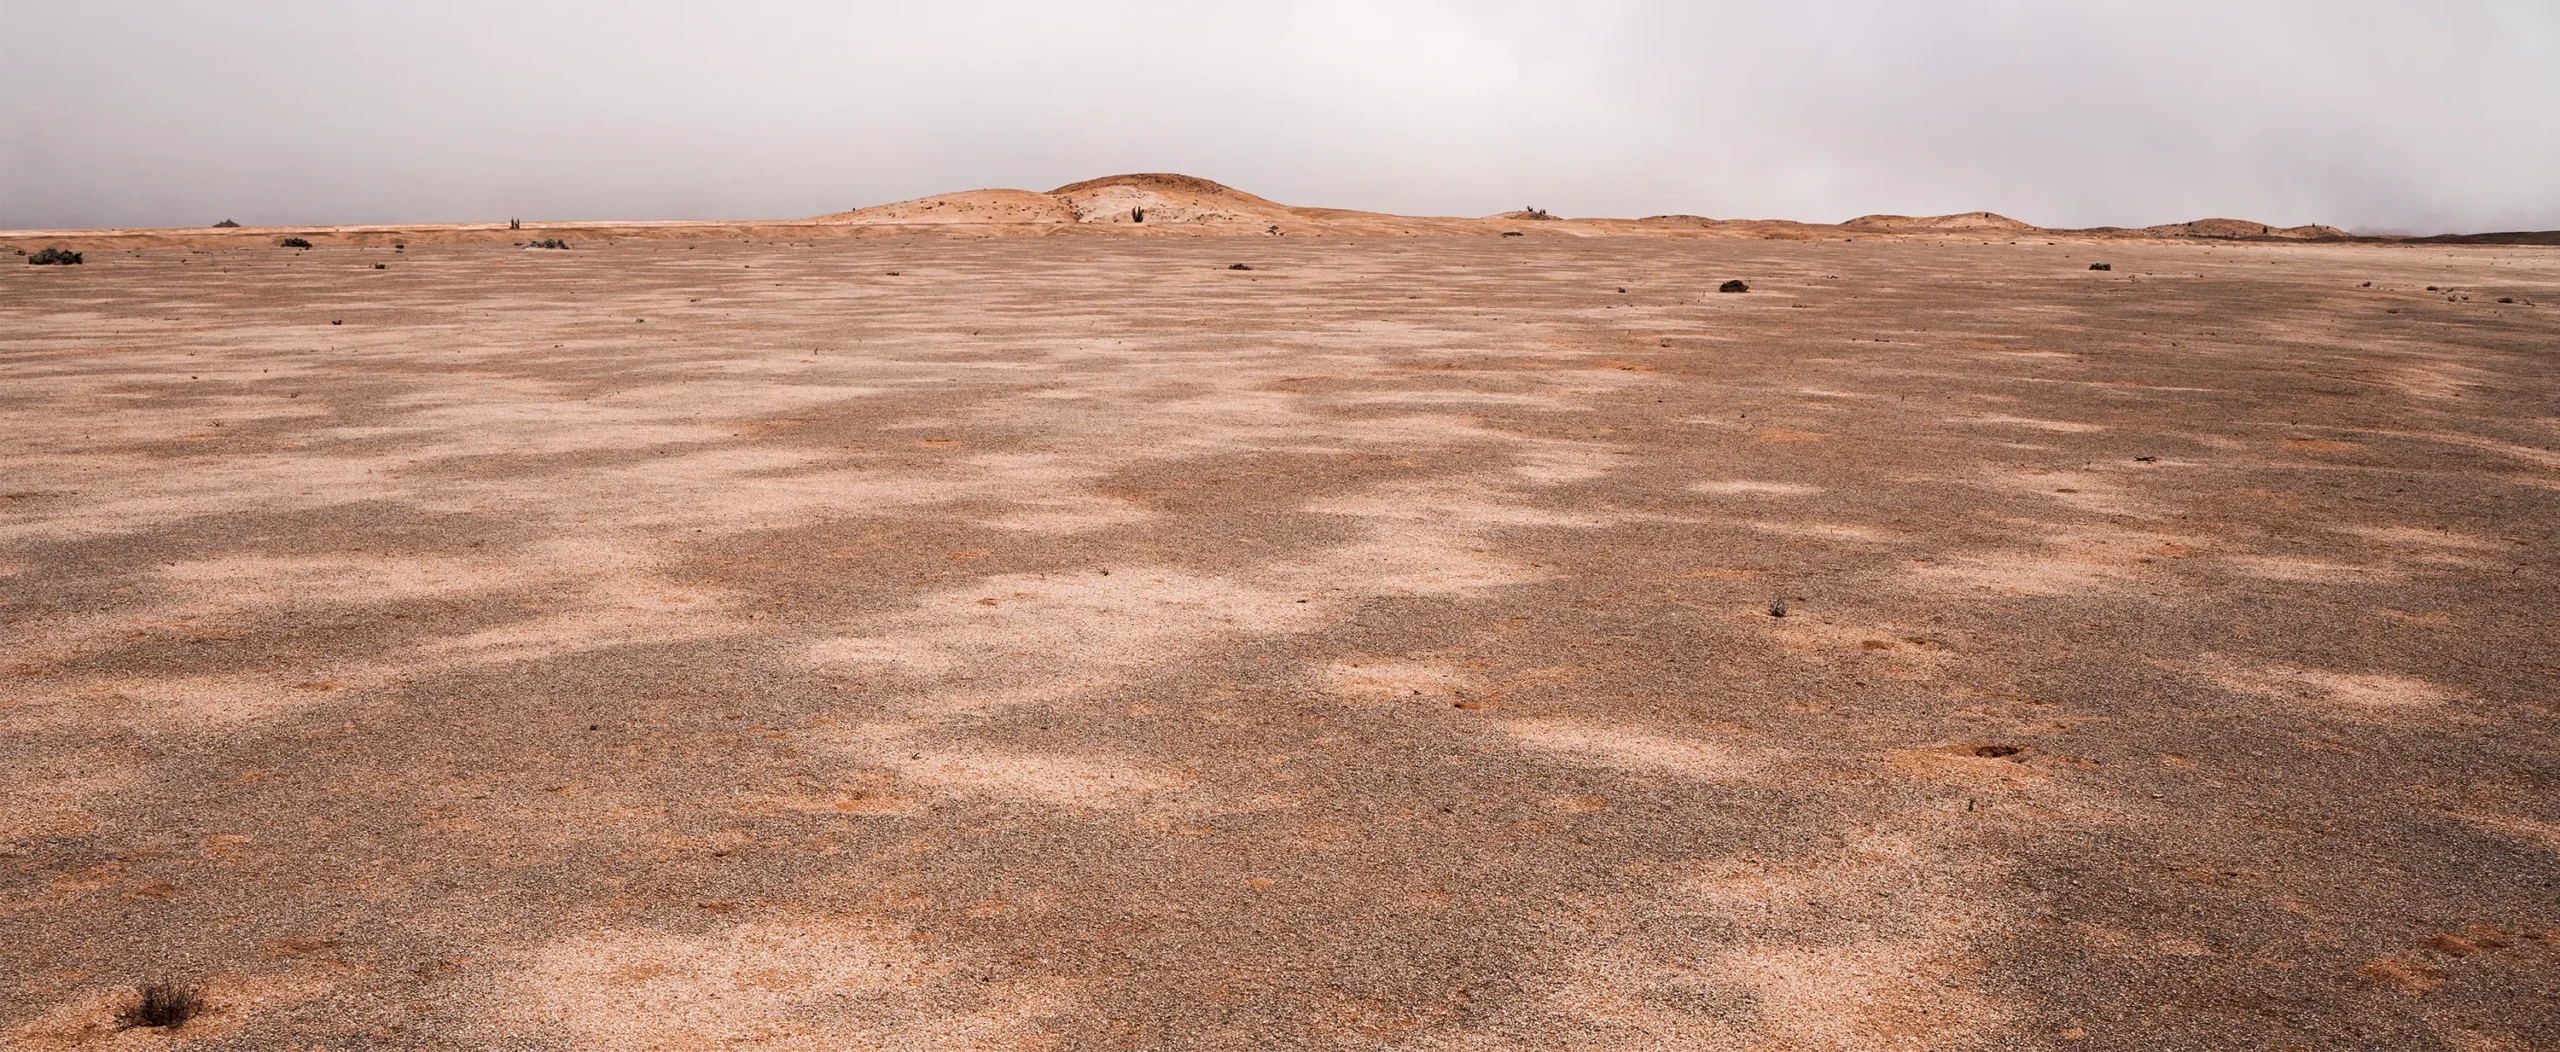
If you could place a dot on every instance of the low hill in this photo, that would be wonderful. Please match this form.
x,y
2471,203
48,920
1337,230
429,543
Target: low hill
x,y
1959,221
1169,203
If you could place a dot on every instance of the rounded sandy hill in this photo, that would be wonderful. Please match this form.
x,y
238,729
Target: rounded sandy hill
x,y
1166,197
967,206
1959,221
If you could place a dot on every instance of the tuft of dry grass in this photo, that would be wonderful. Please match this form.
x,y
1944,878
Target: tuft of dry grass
x,y
161,1004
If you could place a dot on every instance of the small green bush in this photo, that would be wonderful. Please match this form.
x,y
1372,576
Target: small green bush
x,y
548,242
54,256
294,242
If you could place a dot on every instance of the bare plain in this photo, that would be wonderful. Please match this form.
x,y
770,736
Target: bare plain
x,y
936,642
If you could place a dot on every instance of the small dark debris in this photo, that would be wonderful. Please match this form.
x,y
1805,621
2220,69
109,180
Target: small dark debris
x,y
1778,607
1622,289
891,273
2144,460
381,266
2102,266
1995,752
1511,233
161,1004
1735,285
1238,266
2432,288
334,321
548,242
2368,284
294,242
2506,299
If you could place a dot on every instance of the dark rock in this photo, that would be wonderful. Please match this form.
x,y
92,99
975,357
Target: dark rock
x,y
1735,285
2102,266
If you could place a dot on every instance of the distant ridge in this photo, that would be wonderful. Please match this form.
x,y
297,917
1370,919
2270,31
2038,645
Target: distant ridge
x,y
1173,204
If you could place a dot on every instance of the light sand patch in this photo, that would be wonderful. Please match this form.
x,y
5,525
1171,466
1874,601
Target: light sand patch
x,y
2061,426
2355,694
1984,763
1893,967
2418,544
48,794
1046,634
607,594
1822,531
1389,680
1558,465
1746,488
2304,570
2063,563
820,985
1898,651
2080,490
1030,776
1631,749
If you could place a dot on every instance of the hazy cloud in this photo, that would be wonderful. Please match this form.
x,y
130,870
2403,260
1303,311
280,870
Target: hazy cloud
x,y
2429,117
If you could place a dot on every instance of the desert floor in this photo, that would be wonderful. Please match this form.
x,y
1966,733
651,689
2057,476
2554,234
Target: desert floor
x,y
1074,643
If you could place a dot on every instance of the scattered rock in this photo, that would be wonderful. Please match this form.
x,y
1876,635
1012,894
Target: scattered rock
x,y
1238,266
294,242
2102,266
1778,607
2506,299
381,266
1735,285
1511,233
548,242
2144,460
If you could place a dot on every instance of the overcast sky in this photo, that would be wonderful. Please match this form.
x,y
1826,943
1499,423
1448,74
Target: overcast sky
x,y
2424,117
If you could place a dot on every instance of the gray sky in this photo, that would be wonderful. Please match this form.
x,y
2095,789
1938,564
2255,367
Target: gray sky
x,y
2415,117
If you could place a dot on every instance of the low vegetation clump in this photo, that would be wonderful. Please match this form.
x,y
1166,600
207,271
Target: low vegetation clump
x,y
294,242
226,224
162,1005
53,256
548,242
2102,266
1735,285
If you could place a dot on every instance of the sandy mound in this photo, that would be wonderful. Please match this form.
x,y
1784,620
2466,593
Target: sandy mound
x,y
968,206
1166,198
2239,228
1959,221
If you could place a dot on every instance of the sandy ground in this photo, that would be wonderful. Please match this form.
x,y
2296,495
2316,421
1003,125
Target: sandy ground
x,y
1074,643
